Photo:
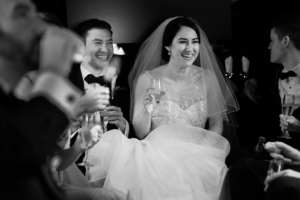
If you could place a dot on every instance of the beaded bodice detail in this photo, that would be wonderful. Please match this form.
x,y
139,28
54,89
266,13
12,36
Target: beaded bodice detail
x,y
186,106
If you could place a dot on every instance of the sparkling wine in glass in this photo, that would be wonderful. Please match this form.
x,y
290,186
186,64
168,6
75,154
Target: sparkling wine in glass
x,y
86,138
288,103
156,85
102,122
102,115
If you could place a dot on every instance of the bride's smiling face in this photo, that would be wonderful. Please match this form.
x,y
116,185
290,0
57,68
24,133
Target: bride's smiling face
x,y
185,47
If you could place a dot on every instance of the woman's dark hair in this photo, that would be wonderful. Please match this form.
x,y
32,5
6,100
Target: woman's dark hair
x,y
82,28
172,29
288,25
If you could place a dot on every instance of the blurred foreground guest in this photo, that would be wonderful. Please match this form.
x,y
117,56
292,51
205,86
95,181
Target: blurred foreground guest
x,y
30,129
74,184
50,19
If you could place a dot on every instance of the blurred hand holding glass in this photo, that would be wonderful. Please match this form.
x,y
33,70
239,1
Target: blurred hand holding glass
x,y
276,165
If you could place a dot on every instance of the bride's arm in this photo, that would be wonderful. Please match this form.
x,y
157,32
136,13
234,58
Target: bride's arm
x,y
141,117
216,124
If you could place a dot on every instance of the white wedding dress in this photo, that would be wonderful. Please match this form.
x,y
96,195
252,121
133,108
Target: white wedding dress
x,y
178,160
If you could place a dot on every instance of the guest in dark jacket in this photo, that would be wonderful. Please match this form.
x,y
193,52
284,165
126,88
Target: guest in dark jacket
x,y
246,177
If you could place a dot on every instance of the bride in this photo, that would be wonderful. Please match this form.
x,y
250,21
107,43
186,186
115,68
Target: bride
x,y
176,157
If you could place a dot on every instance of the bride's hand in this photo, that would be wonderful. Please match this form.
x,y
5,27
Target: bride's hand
x,y
147,98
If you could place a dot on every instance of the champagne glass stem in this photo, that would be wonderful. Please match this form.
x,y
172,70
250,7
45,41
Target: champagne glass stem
x,y
86,153
86,162
102,123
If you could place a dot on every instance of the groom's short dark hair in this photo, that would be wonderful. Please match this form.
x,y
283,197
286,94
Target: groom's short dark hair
x,y
288,25
82,28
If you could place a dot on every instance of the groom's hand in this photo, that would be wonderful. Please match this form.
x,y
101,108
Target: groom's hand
x,y
114,115
94,100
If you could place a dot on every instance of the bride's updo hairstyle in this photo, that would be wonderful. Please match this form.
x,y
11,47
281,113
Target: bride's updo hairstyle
x,y
171,31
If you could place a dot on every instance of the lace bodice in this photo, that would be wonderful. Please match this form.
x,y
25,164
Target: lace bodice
x,y
187,106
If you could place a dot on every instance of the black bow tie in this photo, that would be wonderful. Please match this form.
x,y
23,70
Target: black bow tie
x,y
283,76
92,79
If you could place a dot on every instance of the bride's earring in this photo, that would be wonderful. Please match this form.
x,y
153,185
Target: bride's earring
x,y
168,49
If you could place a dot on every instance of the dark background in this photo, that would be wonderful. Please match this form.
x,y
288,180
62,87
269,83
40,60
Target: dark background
x,y
243,26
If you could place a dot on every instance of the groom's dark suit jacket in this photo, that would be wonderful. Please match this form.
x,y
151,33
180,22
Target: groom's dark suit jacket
x,y
270,104
121,94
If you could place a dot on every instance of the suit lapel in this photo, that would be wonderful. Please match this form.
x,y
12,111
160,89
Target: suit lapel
x,y
75,77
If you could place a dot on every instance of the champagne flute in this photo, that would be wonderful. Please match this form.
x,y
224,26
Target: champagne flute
x,y
102,115
91,121
86,138
275,166
288,103
156,84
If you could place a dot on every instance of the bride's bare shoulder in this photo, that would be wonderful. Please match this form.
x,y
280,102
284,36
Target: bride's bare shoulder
x,y
158,69
200,71
196,71
147,75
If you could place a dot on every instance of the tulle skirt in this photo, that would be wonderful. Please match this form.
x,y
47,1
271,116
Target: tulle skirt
x,y
174,162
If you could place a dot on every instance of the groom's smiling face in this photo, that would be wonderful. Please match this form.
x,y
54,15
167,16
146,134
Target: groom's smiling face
x,y
99,47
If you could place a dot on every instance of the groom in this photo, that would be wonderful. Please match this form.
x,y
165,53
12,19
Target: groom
x,y
98,47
